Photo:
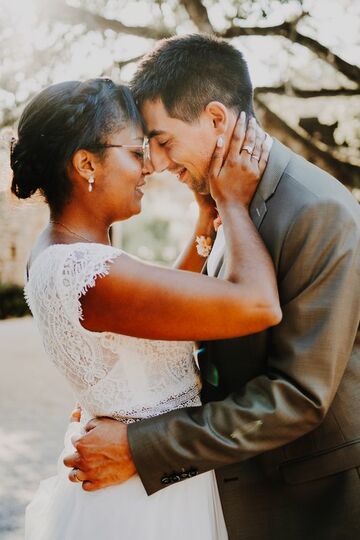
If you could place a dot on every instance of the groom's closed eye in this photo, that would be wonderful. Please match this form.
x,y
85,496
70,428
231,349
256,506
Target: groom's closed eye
x,y
162,143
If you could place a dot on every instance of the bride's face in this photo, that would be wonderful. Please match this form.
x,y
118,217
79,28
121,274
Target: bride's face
x,y
120,174
183,148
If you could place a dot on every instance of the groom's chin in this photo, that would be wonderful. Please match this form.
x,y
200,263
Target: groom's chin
x,y
204,189
200,186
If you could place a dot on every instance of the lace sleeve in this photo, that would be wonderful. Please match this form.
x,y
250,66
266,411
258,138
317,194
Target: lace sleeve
x,y
82,265
112,374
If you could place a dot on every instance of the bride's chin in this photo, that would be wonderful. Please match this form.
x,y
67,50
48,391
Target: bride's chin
x,y
126,215
136,209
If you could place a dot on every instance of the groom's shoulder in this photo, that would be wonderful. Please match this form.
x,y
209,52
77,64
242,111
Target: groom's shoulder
x,y
304,183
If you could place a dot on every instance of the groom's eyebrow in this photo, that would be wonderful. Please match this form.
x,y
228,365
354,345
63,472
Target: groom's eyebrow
x,y
155,132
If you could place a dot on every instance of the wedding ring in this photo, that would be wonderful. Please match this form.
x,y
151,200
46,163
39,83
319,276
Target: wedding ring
x,y
255,157
247,149
75,475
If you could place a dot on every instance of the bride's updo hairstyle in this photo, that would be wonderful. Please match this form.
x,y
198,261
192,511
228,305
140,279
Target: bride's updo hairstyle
x,y
60,120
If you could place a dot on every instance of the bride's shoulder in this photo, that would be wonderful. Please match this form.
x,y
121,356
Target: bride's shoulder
x,y
72,258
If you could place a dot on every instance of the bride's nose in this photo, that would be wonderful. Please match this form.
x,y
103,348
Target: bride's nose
x,y
148,167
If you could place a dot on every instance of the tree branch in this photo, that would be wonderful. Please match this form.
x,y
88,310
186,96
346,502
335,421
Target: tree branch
x,y
73,15
288,30
347,172
285,89
198,14
351,71
124,63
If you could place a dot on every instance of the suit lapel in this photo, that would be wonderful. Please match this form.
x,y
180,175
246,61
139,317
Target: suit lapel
x,y
258,209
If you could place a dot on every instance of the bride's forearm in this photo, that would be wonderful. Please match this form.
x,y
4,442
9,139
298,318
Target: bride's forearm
x,y
189,259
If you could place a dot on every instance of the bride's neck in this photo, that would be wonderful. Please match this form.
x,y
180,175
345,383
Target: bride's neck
x,y
81,225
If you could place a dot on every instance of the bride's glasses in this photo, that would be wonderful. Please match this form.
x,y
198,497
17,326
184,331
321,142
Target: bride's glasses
x,y
144,147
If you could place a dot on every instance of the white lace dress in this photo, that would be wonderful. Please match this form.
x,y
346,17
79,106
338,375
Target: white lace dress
x,y
124,378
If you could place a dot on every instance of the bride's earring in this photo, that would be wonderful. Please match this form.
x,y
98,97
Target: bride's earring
x,y
91,183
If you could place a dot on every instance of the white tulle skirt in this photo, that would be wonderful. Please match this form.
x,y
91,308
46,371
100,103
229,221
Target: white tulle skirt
x,y
62,510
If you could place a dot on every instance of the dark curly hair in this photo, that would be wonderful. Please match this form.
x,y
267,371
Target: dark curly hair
x,y
60,120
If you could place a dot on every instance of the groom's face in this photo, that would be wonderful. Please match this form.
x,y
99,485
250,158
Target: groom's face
x,y
183,148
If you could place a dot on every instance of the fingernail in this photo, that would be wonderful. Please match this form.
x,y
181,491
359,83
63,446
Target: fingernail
x,y
243,116
252,121
220,142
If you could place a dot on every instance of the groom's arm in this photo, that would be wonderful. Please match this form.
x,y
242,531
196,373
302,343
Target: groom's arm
x,y
319,286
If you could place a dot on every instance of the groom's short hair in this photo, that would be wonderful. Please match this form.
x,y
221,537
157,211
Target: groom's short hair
x,y
187,72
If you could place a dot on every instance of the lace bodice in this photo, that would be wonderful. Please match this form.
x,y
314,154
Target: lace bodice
x,y
113,375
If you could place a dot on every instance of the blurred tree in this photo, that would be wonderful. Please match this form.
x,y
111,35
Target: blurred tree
x,y
302,54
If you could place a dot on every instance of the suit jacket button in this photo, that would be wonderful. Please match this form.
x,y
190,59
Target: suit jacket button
x,y
165,480
175,478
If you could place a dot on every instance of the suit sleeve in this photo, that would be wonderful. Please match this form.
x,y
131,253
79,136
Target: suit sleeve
x,y
319,290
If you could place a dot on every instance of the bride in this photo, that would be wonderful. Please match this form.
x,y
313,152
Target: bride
x,y
122,331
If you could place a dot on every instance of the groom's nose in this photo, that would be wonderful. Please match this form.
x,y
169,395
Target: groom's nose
x,y
159,159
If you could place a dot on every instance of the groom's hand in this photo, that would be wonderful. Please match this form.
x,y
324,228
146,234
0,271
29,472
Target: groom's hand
x,y
102,456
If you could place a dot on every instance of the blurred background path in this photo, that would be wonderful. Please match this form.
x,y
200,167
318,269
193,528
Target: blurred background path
x,y
35,403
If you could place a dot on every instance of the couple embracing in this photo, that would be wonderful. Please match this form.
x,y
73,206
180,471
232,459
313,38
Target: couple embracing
x,y
257,436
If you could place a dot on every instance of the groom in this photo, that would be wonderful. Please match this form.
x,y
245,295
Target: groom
x,y
280,421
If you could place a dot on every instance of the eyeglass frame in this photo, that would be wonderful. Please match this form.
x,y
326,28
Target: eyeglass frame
x,y
145,146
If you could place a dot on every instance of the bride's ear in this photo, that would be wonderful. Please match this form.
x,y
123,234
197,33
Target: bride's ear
x,y
83,163
218,115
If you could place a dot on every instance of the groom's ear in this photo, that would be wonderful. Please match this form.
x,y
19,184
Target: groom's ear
x,y
218,115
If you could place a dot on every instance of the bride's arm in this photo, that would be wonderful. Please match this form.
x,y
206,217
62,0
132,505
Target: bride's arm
x,y
189,259
142,300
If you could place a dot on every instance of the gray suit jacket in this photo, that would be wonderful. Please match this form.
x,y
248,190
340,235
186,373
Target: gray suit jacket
x,y
281,416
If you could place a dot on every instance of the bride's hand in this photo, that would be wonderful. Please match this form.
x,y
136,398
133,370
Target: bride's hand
x,y
234,178
76,413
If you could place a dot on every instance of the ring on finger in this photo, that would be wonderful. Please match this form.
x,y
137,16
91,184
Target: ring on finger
x,y
75,476
255,157
247,149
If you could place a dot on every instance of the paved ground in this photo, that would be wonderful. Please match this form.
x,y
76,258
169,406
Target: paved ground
x,y
34,407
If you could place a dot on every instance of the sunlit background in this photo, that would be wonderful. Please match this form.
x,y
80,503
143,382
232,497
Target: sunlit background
x,y
297,79
304,62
